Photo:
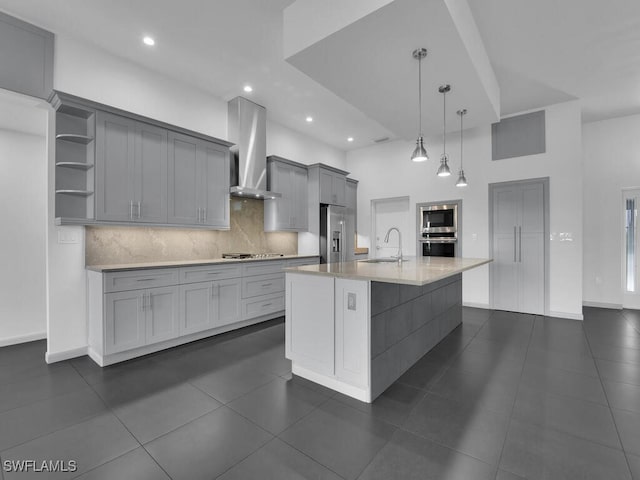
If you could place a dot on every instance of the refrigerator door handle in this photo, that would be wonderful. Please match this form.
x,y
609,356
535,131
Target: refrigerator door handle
x,y
343,254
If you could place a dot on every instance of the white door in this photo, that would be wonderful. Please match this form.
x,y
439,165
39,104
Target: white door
x,y
387,213
518,243
630,284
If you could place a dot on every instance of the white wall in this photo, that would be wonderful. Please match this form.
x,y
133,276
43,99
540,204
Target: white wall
x,y
611,163
23,197
386,171
92,73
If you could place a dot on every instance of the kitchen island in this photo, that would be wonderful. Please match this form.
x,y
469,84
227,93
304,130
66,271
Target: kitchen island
x,y
356,327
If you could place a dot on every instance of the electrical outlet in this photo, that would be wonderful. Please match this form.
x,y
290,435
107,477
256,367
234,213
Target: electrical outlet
x,y
351,301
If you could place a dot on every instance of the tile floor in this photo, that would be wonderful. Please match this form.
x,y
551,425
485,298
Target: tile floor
x,y
506,396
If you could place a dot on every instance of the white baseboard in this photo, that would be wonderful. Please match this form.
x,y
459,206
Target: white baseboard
x,y
5,342
65,355
570,316
615,306
486,306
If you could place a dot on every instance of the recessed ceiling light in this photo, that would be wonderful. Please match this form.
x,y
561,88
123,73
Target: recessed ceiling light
x,y
149,41
248,88
309,119
350,139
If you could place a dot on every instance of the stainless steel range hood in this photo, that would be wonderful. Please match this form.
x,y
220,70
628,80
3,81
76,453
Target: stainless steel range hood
x,y
247,129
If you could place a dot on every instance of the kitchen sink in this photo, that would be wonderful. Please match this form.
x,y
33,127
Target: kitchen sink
x,y
383,260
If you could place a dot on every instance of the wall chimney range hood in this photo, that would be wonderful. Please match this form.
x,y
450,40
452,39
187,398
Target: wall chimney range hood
x,y
247,129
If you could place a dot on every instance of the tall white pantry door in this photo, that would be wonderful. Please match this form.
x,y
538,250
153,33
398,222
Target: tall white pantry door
x,y
518,269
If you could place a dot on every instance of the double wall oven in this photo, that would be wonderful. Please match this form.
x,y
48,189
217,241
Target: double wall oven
x,y
438,230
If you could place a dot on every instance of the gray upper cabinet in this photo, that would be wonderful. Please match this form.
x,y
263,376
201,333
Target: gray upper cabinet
x,y
131,169
290,211
198,182
26,57
332,184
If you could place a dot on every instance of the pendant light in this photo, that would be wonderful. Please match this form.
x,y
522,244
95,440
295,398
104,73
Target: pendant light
x,y
462,180
420,153
444,170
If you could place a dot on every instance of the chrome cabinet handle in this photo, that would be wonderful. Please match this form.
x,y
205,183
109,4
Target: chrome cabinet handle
x,y
150,306
199,214
266,285
514,243
520,241
131,210
144,279
204,215
142,304
139,210
266,304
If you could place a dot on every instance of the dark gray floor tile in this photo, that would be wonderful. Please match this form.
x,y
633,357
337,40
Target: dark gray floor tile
x,y
393,405
623,396
23,353
90,443
425,372
615,353
504,475
26,423
572,363
588,420
634,464
475,316
450,346
272,361
158,413
460,425
339,437
229,383
137,464
316,387
278,461
631,339
278,404
542,453
492,365
30,390
563,382
499,350
93,373
629,427
409,457
208,446
31,369
619,372
497,395
573,345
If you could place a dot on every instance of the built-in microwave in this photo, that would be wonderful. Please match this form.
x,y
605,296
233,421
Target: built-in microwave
x,y
439,219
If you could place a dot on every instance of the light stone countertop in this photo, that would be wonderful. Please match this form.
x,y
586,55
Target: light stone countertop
x,y
187,263
414,271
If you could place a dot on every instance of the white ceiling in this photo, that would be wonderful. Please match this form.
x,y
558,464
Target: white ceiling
x,y
542,52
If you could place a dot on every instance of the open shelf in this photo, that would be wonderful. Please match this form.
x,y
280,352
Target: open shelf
x,y
80,193
78,165
75,138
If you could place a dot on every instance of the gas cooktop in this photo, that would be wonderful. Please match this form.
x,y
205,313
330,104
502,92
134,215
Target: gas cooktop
x,y
252,255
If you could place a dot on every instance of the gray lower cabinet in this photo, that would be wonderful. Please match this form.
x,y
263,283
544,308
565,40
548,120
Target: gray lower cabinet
x,y
198,182
290,211
135,312
140,317
131,170
207,305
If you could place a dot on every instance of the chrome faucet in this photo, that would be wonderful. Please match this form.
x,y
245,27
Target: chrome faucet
x,y
386,240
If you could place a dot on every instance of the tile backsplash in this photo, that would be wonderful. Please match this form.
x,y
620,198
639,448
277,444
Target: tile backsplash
x,y
107,245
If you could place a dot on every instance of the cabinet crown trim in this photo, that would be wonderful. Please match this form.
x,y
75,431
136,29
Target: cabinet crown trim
x,y
328,167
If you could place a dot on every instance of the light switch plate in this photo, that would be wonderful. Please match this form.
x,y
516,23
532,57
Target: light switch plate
x,y
351,301
66,236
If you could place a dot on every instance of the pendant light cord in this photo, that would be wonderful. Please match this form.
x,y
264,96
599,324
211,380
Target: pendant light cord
x,y
420,94
444,124
461,158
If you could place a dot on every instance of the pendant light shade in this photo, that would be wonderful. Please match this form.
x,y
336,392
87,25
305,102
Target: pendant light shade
x,y
443,169
420,153
462,180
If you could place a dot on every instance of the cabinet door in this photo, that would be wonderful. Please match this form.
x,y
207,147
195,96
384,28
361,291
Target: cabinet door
x,y
531,250
339,189
214,191
196,307
226,296
300,199
506,208
162,314
351,217
115,153
150,174
184,180
352,331
124,321
281,183
326,187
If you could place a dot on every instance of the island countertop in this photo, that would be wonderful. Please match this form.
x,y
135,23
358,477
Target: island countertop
x,y
414,271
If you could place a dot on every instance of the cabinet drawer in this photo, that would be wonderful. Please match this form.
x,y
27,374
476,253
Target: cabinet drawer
x,y
212,272
256,307
138,279
298,262
262,285
261,268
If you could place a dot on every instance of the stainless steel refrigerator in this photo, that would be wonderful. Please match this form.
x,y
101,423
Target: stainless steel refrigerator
x,y
333,225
